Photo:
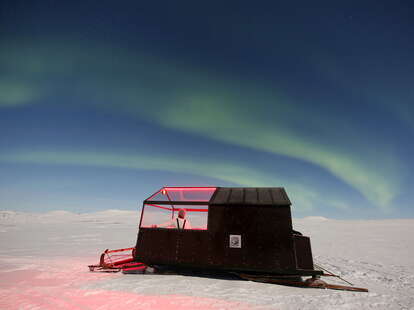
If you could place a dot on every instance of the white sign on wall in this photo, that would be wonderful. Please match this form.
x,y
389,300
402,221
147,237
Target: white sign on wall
x,y
235,241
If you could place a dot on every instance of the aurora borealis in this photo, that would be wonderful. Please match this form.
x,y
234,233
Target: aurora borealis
x,y
101,104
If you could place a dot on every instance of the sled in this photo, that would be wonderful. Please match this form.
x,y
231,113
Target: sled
x,y
119,260
246,232
122,260
114,260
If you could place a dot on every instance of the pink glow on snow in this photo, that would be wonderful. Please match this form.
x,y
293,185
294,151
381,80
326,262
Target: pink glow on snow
x,y
60,288
44,258
64,298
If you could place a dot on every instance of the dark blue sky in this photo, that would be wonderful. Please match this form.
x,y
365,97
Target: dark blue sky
x,y
103,102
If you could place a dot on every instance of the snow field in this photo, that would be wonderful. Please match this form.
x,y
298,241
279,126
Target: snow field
x,y
44,260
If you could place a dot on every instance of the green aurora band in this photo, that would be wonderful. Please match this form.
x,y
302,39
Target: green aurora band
x,y
226,171
182,98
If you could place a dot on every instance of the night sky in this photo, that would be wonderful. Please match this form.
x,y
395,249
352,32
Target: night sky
x,y
104,102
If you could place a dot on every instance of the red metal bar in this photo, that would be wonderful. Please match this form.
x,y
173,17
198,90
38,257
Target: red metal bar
x,y
192,210
155,193
124,261
184,188
161,207
176,209
118,250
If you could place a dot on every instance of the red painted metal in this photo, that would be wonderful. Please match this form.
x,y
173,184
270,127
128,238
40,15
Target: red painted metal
x,y
177,209
165,190
192,210
190,188
156,193
158,206
114,260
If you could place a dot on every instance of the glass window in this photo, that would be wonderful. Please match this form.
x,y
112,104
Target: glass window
x,y
198,194
156,215
168,216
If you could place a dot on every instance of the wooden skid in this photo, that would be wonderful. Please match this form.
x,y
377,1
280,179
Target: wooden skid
x,y
311,284
346,288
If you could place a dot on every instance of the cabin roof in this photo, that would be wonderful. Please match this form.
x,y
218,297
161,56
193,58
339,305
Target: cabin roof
x,y
269,196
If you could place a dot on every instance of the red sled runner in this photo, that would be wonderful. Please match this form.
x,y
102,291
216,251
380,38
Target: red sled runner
x,y
119,260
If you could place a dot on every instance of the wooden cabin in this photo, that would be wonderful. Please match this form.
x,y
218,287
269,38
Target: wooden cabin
x,y
228,229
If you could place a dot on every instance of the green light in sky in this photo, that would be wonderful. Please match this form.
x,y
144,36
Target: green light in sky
x,y
304,197
237,112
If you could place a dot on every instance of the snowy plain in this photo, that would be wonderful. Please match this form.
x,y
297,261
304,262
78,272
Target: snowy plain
x,y
44,258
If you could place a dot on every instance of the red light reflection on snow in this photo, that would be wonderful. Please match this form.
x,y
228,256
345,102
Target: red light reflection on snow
x,y
57,288
63,298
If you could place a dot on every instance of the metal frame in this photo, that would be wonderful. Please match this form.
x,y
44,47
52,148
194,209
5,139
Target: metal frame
x,y
184,203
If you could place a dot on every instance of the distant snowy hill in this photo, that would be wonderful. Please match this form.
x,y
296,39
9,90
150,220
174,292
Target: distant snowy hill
x,y
44,258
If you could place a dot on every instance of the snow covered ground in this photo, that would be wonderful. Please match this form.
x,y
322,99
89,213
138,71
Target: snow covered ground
x,y
44,258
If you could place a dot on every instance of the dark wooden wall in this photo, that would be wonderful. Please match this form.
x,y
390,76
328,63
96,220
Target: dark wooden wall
x,y
266,237
164,246
303,252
